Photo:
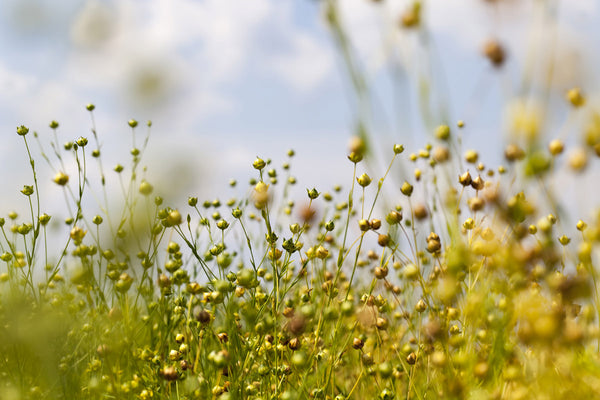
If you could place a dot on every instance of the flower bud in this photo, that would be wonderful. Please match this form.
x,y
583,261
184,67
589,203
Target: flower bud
x,y
355,157
237,213
398,148
53,125
44,219
22,130
406,189
222,224
27,190
61,179
564,240
77,234
364,180
329,226
192,201
259,164
82,141
312,193
442,132
132,123
469,224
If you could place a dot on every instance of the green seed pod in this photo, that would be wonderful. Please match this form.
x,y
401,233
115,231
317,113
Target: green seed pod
x,y
82,141
312,193
398,148
22,130
44,219
259,164
146,188
364,180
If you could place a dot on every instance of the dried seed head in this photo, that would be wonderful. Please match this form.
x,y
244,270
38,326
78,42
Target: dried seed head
x,y
383,240
381,323
477,183
465,179
441,154
381,272
364,225
513,153
475,203
375,224
357,343
297,325
494,52
420,211
394,217
169,373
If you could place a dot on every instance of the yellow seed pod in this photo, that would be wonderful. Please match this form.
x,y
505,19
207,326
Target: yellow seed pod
x,y
556,147
61,179
578,159
575,97
442,132
525,119
471,156
417,174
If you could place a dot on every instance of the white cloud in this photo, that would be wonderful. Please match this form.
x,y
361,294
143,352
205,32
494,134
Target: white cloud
x,y
305,65
13,83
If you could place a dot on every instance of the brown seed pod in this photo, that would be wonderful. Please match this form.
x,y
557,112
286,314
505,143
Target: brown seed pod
x,y
420,211
494,51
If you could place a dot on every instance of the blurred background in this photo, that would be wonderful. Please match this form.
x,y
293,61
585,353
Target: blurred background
x,y
225,81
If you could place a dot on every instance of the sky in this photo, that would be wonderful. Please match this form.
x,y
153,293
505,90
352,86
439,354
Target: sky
x,y
225,81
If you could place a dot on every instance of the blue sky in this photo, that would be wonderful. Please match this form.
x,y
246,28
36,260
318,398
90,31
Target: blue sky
x,y
236,79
